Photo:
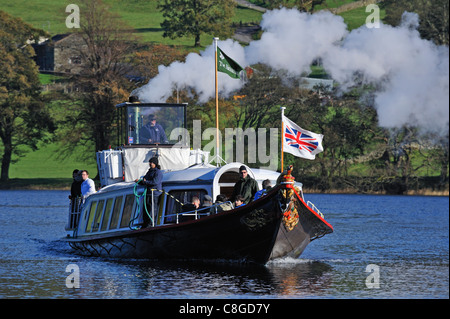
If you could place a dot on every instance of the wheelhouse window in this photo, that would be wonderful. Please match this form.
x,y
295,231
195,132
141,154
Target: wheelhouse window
x,y
152,123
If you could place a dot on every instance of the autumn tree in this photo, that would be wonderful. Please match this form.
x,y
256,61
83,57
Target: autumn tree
x,y
147,61
433,17
24,117
106,46
196,17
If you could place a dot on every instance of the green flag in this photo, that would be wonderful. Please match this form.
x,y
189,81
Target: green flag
x,y
227,65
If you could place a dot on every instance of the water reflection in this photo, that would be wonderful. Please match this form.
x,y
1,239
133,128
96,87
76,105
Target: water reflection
x,y
300,277
182,279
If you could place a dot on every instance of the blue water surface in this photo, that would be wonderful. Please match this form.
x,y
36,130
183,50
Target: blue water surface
x,y
382,247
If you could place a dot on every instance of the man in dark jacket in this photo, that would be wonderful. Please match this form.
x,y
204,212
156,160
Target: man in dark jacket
x,y
152,132
75,189
246,186
153,177
153,180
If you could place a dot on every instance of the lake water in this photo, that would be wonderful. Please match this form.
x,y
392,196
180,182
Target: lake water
x,y
383,247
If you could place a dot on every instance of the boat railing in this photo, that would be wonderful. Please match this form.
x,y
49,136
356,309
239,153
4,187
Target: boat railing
x,y
75,206
314,208
198,213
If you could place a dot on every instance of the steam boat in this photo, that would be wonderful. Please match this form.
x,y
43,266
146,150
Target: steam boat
x,y
126,220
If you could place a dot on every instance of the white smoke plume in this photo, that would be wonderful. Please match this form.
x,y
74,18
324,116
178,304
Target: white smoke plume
x,y
292,40
196,73
411,74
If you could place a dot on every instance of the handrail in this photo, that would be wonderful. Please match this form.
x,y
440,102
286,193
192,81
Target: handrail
x,y
74,213
313,207
198,212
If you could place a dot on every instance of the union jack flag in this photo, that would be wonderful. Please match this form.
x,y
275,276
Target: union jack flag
x,y
300,142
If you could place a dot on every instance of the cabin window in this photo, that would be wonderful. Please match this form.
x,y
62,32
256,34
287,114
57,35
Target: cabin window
x,y
98,215
116,212
109,204
182,196
127,210
91,216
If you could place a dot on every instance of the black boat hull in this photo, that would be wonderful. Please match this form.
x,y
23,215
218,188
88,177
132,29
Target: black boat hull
x,y
246,234
309,226
253,233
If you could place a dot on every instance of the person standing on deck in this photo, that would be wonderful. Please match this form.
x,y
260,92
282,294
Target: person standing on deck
x,y
153,178
88,185
153,181
246,186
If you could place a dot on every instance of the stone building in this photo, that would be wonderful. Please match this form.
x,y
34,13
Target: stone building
x,y
60,54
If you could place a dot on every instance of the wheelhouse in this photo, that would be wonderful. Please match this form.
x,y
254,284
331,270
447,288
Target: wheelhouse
x,y
134,116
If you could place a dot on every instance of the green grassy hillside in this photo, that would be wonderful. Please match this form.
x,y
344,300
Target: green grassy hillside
x,y
142,15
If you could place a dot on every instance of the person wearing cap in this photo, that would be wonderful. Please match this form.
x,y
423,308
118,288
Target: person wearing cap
x,y
246,186
152,132
153,180
153,177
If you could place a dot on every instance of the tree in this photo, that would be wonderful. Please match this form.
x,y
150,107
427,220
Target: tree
x,y
147,62
24,117
433,16
195,17
107,46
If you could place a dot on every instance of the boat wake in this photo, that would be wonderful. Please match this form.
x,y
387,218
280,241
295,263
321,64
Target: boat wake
x,y
290,261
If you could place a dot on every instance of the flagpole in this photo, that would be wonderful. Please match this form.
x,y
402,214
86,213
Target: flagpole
x,y
217,103
282,138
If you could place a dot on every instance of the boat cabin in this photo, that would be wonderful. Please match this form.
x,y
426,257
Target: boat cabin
x,y
121,206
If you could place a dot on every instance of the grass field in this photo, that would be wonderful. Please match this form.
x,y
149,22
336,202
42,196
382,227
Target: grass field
x,y
48,163
142,15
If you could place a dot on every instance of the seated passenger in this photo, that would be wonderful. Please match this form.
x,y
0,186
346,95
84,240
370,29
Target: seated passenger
x,y
194,205
152,133
221,204
239,201
207,201
266,185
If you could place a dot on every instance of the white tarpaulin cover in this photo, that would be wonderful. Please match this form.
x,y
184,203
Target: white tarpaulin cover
x,y
136,160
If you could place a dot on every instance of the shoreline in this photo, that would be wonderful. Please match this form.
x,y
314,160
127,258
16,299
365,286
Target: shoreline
x,y
63,185
420,192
